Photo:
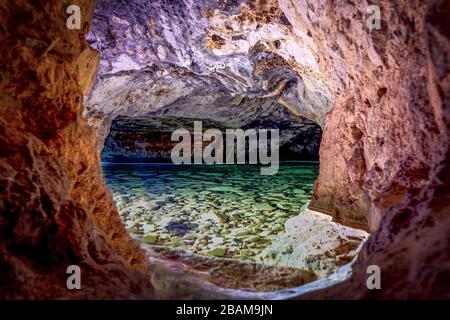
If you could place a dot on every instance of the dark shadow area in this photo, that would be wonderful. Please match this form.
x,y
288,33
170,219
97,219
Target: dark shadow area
x,y
147,140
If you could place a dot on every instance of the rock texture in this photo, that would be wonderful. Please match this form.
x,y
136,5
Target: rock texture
x,y
385,156
227,273
383,132
54,208
312,242
144,139
232,63
384,153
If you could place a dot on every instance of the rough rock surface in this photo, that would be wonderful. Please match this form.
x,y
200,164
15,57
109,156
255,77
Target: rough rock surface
x,y
54,208
312,242
383,131
385,142
232,63
228,273
384,153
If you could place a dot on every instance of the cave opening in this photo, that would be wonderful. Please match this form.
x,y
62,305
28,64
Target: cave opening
x,y
381,99
246,230
228,219
213,213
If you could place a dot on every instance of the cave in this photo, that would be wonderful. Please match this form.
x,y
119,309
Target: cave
x,y
87,117
227,216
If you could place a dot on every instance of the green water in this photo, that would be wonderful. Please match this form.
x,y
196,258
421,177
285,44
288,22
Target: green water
x,y
221,210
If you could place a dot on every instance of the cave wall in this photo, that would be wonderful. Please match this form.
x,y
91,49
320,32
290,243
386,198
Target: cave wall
x,y
384,154
54,208
381,137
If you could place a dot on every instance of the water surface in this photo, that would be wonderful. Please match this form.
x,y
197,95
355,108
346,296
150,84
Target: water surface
x,y
220,210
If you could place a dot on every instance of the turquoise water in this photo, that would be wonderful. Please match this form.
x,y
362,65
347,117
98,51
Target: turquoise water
x,y
221,210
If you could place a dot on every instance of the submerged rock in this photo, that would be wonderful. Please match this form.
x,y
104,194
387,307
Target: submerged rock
x,y
238,222
264,206
218,252
150,238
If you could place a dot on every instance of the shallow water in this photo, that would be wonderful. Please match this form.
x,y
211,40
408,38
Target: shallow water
x,y
220,210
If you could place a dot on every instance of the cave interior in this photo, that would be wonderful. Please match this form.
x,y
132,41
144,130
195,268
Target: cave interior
x,y
87,117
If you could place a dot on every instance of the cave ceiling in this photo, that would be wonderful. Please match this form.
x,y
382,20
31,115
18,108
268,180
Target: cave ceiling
x,y
234,63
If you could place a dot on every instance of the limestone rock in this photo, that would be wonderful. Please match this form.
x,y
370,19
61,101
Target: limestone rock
x,y
54,208
385,153
312,242
150,238
233,63
218,252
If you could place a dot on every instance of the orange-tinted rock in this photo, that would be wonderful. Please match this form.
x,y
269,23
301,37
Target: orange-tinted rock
x,y
384,153
383,130
54,208
385,160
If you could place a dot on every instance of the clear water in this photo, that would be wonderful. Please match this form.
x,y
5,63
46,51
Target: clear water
x,y
221,210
